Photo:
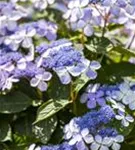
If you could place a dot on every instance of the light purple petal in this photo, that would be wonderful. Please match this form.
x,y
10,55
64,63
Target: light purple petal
x,y
34,82
129,118
119,138
95,65
64,76
91,74
84,132
12,25
88,139
42,86
101,101
124,122
76,70
104,147
94,146
116,146
98,139
88,30
27,43
72,141
81,24
107,141
21,64
91,104
47,76
132,105
100,94
81,146
84,98
118,117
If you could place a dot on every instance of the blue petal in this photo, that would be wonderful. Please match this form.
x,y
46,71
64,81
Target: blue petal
x,y
91,74
88,30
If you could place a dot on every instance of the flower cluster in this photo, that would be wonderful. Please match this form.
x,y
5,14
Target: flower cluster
x,y
90,132
88,14
15,63
58,56
17,54
33,49
65,60
120,97
95,130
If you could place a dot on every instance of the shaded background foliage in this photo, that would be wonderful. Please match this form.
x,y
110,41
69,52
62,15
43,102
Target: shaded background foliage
x,y
28,115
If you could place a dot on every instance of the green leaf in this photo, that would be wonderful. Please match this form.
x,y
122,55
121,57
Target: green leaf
x,y
98,44
61,92
29,91
124,51
14,102
50,108
64,117
21,142
115,72
121,69
5,131
44,129
112,27
80,83
27,121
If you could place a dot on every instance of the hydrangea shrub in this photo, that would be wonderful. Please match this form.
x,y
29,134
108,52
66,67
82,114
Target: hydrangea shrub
x,y
67,74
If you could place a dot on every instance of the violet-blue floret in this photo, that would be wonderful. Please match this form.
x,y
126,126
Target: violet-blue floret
x,y
94,96
95,118
108,131
46,29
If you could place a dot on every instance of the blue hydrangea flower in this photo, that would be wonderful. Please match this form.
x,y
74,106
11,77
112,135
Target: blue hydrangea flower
x,y
85,16
125,119
64,59
39,80
125,94
21,37
79,16
107,142
91,120
76,136
46,29
9,20
7,85
71,129
116,142
93,96
101,143
81,138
